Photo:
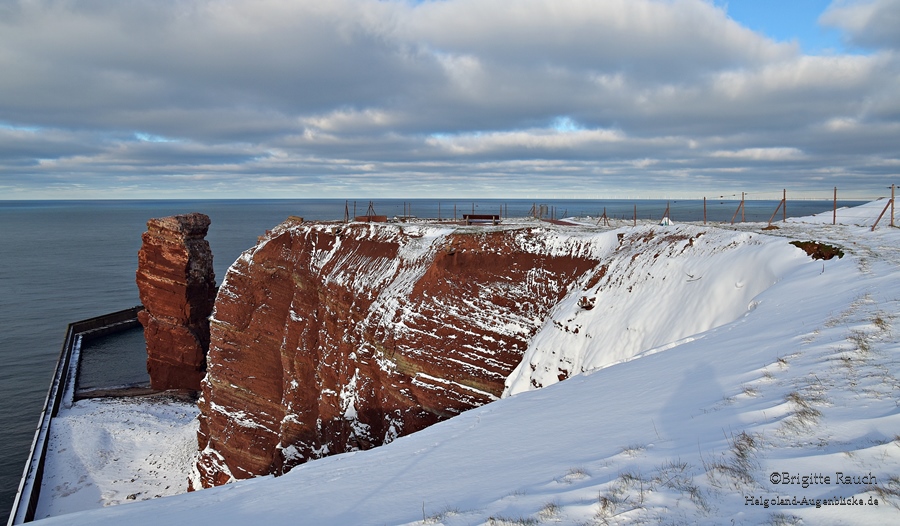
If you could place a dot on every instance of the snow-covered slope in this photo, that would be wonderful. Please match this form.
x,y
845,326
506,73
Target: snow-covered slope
x,y
111,451
804,382
653,294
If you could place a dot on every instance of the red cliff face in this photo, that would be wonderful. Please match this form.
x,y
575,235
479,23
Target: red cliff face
x,y
330,338
177,287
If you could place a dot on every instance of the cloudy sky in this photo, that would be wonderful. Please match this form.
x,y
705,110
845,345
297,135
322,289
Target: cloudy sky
x,y
449,98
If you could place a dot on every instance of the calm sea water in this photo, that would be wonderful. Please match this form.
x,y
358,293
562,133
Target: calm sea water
x,y
114,360
63,261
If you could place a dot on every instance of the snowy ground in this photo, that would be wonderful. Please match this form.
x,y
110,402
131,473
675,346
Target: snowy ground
x,y
790,414
105,452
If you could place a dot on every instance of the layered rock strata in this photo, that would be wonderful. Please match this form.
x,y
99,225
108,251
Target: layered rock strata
x,y
177,287
332,338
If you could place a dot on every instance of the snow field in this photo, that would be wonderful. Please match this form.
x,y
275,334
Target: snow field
x,y
104,452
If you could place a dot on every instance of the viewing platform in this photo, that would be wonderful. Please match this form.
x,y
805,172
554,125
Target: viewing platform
x,y
94,356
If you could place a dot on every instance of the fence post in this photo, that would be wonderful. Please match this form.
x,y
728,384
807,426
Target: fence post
x,y
834,212
892,204
784,206
604,218
783,203
740,209
704,210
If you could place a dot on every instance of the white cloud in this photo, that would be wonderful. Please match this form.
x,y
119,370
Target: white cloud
x,y
839,124
867,23
350,120
762,154
649,38
800,75
541,139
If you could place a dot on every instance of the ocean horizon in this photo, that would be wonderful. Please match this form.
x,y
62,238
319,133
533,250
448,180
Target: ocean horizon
x,y
67,260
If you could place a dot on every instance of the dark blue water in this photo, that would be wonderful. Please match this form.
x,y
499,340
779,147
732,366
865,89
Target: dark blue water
x,y
114,360
62,261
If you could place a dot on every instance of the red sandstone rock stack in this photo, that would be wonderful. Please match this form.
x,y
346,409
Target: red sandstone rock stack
x,y
177,287
330,338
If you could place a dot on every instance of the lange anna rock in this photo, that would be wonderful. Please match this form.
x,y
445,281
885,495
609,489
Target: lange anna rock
x,y
177,286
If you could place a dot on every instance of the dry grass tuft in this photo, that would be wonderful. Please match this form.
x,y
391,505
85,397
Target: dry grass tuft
x,y
888,492
738,466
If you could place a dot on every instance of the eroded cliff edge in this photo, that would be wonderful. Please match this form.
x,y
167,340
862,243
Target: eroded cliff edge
x,y
329,338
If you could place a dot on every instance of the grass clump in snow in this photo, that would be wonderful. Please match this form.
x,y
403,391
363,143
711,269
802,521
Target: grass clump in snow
x,y
578,473
738,464
549,511
574,474
439,517
882,321
618,497
634,480
633,450
676,476
888,492
861,340
805,415
508,521
805,410
608,506
784,519
631,489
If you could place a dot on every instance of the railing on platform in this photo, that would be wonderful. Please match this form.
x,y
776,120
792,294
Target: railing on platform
x,y
62,388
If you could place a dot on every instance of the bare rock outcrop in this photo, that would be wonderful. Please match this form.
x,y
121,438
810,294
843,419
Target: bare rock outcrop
x,y
329,338
177,287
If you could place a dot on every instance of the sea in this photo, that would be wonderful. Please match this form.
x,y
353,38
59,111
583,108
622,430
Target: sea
x,y
64,261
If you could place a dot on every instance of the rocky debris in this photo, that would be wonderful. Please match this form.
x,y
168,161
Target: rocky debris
x,y
177,287
333,338
819,250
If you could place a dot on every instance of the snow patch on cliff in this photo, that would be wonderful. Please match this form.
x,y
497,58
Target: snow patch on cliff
x,y
661,285
241,418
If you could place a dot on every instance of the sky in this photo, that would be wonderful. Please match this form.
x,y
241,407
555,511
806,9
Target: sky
x,y
450,98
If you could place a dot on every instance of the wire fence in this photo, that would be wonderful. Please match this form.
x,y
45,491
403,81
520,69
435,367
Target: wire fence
x,y
726,208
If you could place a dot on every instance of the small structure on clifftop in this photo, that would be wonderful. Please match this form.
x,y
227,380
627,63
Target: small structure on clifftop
x,y
177,286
